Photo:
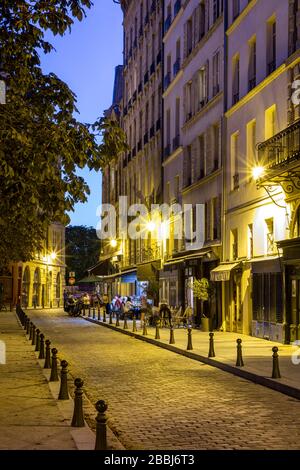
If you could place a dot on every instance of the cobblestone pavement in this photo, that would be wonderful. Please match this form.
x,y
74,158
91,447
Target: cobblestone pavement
x,y
29,416
161,400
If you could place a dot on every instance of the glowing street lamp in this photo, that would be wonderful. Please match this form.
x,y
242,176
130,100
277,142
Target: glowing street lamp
x,y
150,226
53,256
113,243
257,172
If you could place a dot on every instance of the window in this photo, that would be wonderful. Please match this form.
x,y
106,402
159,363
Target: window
x,y
187,166
188,102
270,122
168,128
202,19
251,144
252,65
217,9
270,236
271,46
216,217
234,161
189,36
216,73
234,244
250,241
235,9
201,156
202,81
177,119
236,80
216,145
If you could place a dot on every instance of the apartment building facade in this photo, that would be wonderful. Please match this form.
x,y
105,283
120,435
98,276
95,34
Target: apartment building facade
x,y
260,269
193,109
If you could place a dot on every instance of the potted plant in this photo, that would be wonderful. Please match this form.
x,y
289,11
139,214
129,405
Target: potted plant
x,y
203,291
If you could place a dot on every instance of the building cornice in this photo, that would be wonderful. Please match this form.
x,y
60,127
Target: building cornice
x,y
202,111
241,17
173,83
173,24
172,156
201,182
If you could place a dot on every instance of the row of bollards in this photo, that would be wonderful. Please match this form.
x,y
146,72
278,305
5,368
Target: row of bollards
x,y
44,351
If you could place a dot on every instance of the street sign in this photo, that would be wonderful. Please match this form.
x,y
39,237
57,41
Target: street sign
x,y
71,281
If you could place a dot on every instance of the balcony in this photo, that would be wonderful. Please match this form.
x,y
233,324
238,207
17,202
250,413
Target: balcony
x,y
236,181
158,125
158,58
146,78
177,7
152,68
167,24
167,80
140,88
251,83
152,131
146,138
282,150
176,67
176,142
167,151
271,67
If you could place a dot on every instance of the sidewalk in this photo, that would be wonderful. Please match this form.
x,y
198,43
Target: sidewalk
x,y
30,417
257,354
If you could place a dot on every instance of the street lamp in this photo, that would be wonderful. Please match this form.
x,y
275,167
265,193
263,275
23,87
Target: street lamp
x,y
150,226
113,243
257,172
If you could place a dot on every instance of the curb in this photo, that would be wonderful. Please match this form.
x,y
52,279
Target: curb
x,y
252,377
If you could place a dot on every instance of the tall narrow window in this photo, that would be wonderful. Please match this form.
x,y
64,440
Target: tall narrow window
x,y
235,79
234,244
252,65
234,161
177,124
168,130
271,46
189,36
201,156
216,145
202,81
202,20
251,145
217,9
270,122
216,73
235,9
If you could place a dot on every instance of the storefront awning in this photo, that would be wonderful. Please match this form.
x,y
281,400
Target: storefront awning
x,y
128,277
222,272
148,271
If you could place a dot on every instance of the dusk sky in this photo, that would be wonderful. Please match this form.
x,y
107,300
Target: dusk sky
x,y
86,60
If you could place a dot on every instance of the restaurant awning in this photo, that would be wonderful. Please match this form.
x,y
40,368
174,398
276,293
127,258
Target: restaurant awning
x,y
148,271
223,271
89,280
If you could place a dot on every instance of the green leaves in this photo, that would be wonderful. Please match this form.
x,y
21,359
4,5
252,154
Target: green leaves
x,y
41,142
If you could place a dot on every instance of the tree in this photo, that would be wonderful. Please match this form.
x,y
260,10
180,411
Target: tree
x,y
82,249
41,142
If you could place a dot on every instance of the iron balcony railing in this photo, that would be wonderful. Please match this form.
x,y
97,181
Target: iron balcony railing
x,y
281,149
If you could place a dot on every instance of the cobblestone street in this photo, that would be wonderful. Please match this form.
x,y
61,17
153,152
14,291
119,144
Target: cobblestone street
x,y
161,400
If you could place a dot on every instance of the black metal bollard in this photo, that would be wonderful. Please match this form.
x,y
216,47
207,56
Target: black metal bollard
x,y
99,312
78,419
104,315
275,371
211,352
134,328
110,319
145,329
239,357
28,326
63,391
101,437
42,346
47,364
157,334
25,322
30,331
125,326
37,341
33,335
54,374
117,321
89,311
189,343
94,313
172,339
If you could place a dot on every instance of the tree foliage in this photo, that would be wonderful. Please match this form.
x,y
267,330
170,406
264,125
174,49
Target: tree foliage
x,y
41,142
82,249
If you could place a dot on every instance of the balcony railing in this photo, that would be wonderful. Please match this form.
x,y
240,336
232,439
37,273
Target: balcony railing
x,y
236,181
281,149
168,23
177,7
150,254
176,67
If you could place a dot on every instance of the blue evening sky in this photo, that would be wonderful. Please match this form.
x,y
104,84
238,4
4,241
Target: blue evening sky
x,y
85,59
